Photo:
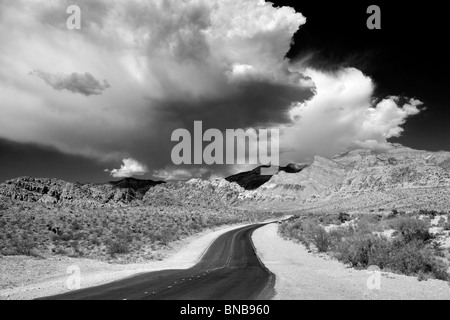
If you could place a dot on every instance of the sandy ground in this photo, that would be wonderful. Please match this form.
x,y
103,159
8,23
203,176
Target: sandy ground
x,y
23,278
301,275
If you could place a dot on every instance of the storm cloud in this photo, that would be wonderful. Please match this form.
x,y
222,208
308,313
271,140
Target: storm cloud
x,y
171,63
85,84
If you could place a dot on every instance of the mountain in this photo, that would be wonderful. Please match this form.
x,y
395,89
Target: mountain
x,y
252,180
400,177
55,191
358,180
201,193
313,180
135,184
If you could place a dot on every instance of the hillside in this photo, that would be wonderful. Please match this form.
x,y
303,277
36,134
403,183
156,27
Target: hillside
x,y
55,191
401,177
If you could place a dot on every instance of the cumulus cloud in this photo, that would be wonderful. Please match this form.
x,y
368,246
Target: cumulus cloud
x,y
172,62
77,83
220,61
343,115
129,168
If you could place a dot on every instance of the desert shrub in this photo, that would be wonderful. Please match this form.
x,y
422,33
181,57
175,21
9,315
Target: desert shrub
x,y
117,247
412,229
60,251
344,217
320,238
291,229
329,219
102,232
166,236
364,250
340,234
22,246
368,223
411,253
413,258
393,214
66,236
309,232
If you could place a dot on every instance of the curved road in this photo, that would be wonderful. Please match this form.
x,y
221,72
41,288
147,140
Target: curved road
x,y
228,270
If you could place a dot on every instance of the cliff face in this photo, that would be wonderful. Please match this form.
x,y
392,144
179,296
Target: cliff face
x,y
55,191
313,181
399,168
363,178
197,192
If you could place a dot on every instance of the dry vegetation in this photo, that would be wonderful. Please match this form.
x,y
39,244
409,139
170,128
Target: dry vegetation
x,y
399,242
127,234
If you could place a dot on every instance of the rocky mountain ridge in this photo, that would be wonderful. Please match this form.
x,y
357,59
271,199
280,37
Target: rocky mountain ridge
x,y
365,178
55,191
399,177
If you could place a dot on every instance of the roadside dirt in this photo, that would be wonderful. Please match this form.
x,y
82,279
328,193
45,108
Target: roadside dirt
x,y
301,275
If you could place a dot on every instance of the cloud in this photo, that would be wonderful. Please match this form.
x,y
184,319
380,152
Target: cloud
x,y
77,83
172,62
342,115
172,173
129,168
220,61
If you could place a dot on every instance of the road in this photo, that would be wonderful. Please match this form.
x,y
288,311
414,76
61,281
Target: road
x,y
228,270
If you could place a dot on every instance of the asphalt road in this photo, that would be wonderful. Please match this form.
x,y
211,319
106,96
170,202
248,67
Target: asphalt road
x,y
228,270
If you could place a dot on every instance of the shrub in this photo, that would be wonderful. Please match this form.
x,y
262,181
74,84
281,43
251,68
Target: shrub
x,y
23,246
413,259
117,247
340,234
320,239
364,250
310,232
412,253
368,223
66,236
344,217
328,219
393,214
412,229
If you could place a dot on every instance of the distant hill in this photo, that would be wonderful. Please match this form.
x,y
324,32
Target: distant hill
x,y
135,184
56,191
362,179
252,180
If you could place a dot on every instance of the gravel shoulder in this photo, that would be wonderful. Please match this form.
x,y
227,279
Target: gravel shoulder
x,y
24,278
301,275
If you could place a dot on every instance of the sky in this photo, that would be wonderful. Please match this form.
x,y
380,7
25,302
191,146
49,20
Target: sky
x,y
101,103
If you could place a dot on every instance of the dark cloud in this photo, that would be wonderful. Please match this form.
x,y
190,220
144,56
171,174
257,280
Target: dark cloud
x,y
85,84
26,159
249,104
